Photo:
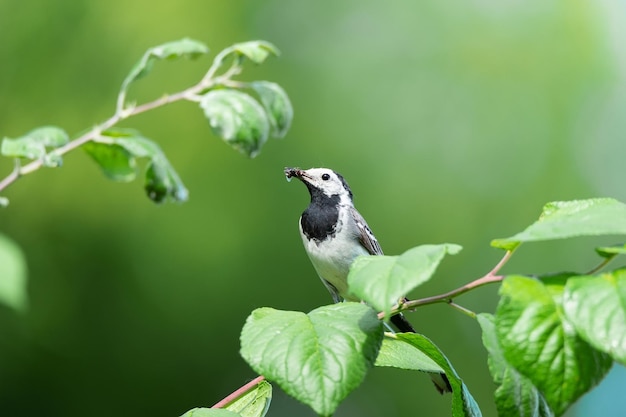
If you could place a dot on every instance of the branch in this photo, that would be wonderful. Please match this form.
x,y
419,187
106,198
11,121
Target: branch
x,y
121,113
447,297
14,175
239,392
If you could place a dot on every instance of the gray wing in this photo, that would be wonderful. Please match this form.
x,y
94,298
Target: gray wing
x,y
366,237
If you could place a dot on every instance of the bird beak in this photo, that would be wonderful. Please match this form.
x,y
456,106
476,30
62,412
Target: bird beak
x,y
295,172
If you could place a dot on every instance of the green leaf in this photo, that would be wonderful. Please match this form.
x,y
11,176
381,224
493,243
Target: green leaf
x,y
116,162
277,105
210,412
596,307
382,281
516,395
253,403
565,219
317,358
115,151
157,183
611,251
238,119
187,48
542,345
12,275
397,353
255,51
33,145
463,404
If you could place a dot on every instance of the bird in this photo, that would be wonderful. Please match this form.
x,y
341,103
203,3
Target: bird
x,y
334,234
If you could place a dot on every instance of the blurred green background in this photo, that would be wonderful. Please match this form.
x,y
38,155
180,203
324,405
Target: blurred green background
x,y
452,121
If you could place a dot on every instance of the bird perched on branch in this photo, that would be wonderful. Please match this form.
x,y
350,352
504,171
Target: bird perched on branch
x,y
334,234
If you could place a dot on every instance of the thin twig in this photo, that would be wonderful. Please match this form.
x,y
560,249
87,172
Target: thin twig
x,y
239,392
502,262
167,99
15,174
217,63
462,309
601,265
447,297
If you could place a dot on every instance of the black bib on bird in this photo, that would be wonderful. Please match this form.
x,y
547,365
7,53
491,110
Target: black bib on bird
x,y
318,221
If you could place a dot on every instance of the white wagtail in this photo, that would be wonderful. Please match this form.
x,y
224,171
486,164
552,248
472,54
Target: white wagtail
x,y
334,234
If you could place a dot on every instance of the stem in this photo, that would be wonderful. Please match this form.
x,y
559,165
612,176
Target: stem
x,y
502,262
239,392
447,297
182,95
462,309
217,63
15,174
235,84
601,265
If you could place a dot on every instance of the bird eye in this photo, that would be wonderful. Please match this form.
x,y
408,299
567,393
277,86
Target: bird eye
x,y
325,177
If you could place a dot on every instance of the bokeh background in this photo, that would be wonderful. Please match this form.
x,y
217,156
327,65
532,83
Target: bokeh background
x,y
453,122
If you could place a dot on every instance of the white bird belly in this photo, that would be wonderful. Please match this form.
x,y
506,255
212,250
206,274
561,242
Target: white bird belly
x,y
333,257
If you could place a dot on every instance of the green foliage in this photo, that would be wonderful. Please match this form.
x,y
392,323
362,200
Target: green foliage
x,y
184,48
611,251
116,150
516,395
253,403
255,51
463,404
383,280
545,344
398,353
596,307
542,345
318,358
238,119
12,275
116,162
276,104
253,400
564,219
33,145
235,116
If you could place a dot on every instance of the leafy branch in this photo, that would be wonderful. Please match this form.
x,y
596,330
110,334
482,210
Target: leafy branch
x,y
447,297
545,345
234,115
244,121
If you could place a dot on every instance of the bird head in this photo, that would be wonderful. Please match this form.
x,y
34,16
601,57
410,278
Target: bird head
x,y
322,182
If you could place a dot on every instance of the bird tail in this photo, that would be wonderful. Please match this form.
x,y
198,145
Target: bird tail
x,y
440,380
402,323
